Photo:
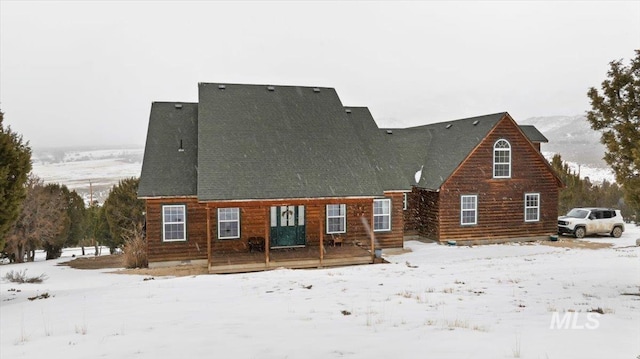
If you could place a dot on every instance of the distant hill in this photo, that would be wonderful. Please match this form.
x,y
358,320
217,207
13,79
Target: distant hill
x,y
571,137
579,145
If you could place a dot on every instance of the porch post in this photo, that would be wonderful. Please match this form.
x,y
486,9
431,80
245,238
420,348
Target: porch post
x,y
321,241
208,238
373,240
267,240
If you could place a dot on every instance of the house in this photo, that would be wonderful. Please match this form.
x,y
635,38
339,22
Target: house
x,y
254,177
477,180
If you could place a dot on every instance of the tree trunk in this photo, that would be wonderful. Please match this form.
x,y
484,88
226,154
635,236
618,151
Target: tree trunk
x,y
19,253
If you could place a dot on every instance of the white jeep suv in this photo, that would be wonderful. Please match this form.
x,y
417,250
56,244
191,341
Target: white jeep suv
x,y
584,221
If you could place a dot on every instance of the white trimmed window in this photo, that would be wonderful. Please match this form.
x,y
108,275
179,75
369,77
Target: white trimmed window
x,y
382,214
502,159
336,218
174,223
405,201
531,207
228,223
469,209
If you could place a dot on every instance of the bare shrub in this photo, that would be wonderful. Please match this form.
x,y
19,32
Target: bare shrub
x,y
135,249
21,277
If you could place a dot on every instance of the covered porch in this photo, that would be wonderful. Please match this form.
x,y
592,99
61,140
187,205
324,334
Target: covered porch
x,y
302,257
273,239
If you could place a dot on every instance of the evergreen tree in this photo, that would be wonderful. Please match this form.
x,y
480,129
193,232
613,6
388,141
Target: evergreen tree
x,y
616,113
123,211
15,165
580,192
77,213
96,226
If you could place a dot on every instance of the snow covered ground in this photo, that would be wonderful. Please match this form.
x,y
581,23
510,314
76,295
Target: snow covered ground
x,y
494,301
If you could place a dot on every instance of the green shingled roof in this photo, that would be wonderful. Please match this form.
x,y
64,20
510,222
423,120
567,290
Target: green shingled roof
x,y
533,134
433,152
378,149
272,142
167,171
275,142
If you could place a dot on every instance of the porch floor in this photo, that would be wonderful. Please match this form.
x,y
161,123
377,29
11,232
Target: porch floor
x,y
303,257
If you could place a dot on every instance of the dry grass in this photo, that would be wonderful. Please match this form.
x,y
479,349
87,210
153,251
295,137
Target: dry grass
x,y
99,262
117,261
135,253
176,271
569,242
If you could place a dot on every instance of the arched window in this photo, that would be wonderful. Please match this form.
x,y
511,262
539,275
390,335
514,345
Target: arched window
x,y
502,159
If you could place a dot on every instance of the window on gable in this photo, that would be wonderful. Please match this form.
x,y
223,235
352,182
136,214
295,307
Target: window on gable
x,y
336,218
531,207
174,223
382,214
228,223
502,159
468,209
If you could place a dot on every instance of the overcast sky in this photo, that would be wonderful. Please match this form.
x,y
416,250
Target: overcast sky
x,y
86,72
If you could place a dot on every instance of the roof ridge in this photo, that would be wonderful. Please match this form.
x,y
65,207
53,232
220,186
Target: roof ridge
x,y
262,85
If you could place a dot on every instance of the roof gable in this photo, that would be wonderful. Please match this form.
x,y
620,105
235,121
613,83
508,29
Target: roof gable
x,y
501,130
272,142
429,154
166,170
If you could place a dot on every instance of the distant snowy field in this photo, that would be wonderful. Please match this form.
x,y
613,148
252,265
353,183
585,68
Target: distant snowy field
x,y
87,171
595,174
494,301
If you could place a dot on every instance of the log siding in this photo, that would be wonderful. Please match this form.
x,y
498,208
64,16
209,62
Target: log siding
x,y
255,222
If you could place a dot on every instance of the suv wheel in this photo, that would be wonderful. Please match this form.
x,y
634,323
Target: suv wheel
x,y
617,232
579,232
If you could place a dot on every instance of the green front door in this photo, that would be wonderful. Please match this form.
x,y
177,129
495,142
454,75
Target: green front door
x,y
287,226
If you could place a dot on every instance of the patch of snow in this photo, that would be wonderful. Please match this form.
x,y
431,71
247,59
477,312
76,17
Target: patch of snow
x,y
418,174
493,301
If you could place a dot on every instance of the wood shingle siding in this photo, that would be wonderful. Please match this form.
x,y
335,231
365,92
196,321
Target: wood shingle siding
x,y
500,201
255,221
194,248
